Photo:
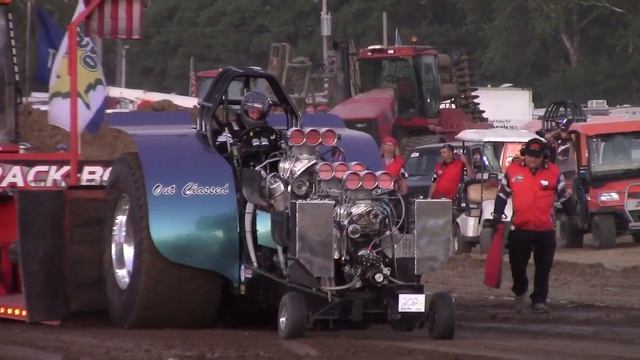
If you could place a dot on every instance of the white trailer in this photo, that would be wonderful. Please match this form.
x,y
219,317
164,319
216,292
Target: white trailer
x,y
506,107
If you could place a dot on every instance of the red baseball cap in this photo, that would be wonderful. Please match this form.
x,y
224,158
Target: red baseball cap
x,y
388,140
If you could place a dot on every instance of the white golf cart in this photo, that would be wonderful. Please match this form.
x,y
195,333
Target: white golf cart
x,y
477,196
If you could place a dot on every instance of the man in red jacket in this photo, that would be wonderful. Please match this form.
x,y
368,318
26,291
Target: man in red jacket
x,y
533,183
448,174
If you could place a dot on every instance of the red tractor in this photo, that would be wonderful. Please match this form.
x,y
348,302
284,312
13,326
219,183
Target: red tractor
x,y
400,91
204,80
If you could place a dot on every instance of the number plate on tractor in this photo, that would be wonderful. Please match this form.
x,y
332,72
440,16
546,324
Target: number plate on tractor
x,y
411,302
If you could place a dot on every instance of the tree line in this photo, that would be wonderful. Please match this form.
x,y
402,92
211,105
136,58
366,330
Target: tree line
x,y
562,49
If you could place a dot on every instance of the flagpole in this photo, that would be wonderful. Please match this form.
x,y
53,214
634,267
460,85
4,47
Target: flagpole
x,y
27,76
74,136
385,42
191,72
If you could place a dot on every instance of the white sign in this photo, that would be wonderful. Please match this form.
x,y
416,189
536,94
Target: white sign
x,y
508,107
19,176
411,302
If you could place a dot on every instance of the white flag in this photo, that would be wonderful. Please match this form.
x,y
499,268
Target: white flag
x,y
91,85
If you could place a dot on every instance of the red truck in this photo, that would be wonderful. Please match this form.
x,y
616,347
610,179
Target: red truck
x,y
602,163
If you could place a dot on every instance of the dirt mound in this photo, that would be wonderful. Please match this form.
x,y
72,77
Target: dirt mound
x,y
34,129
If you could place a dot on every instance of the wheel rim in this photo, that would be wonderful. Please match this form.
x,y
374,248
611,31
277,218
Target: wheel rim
x,y
122,243
282,318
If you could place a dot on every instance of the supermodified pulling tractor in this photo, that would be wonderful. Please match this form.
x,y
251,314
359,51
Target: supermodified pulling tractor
x,y
268,211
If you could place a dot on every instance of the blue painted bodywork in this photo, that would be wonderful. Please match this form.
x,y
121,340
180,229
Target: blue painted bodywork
x,y
159,118
194,230
203,230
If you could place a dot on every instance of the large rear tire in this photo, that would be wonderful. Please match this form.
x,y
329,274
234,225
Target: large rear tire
x,y
143,288
603,228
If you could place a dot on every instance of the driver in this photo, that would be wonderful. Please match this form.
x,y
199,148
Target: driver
x,y
255,109
256,138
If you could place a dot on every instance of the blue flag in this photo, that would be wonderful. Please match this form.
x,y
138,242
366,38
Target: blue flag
x,y
49,37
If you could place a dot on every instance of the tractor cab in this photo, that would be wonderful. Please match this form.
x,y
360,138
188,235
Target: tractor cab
x,y
413,93
204,80
410,70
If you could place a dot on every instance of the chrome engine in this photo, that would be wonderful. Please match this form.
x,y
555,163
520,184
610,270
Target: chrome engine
x,y
363,219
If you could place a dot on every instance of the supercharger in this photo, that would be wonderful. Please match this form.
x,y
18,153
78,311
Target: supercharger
x,y
347,224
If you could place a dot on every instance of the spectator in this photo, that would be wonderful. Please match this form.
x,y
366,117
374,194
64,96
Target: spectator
x,y
476,156
394,162
449,174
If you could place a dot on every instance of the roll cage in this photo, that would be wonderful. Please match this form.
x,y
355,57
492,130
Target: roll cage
x,y
209,121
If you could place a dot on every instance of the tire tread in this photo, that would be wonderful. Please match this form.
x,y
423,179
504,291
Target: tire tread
x,y
167,294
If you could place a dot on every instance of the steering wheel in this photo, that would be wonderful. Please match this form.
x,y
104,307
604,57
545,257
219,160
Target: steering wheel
x,y
246,137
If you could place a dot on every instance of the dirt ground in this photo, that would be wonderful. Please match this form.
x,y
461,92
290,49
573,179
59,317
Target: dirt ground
x,y
595,303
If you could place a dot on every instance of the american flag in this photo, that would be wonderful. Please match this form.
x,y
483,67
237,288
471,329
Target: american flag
x,y
116,19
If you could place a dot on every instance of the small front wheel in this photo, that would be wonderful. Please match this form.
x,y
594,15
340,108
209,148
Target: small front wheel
x,y
292,316
442,316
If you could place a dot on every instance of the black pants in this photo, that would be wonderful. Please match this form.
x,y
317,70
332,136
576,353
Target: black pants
x,y
543,244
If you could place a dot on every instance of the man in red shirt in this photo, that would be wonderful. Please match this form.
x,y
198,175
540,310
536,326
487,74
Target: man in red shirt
x,y
448,174
533,184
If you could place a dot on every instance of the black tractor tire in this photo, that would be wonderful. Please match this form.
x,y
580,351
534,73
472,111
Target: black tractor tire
x,y
567,234
292,316
442,316
160,293
458,245
603,229
408,143
486,238
636,237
